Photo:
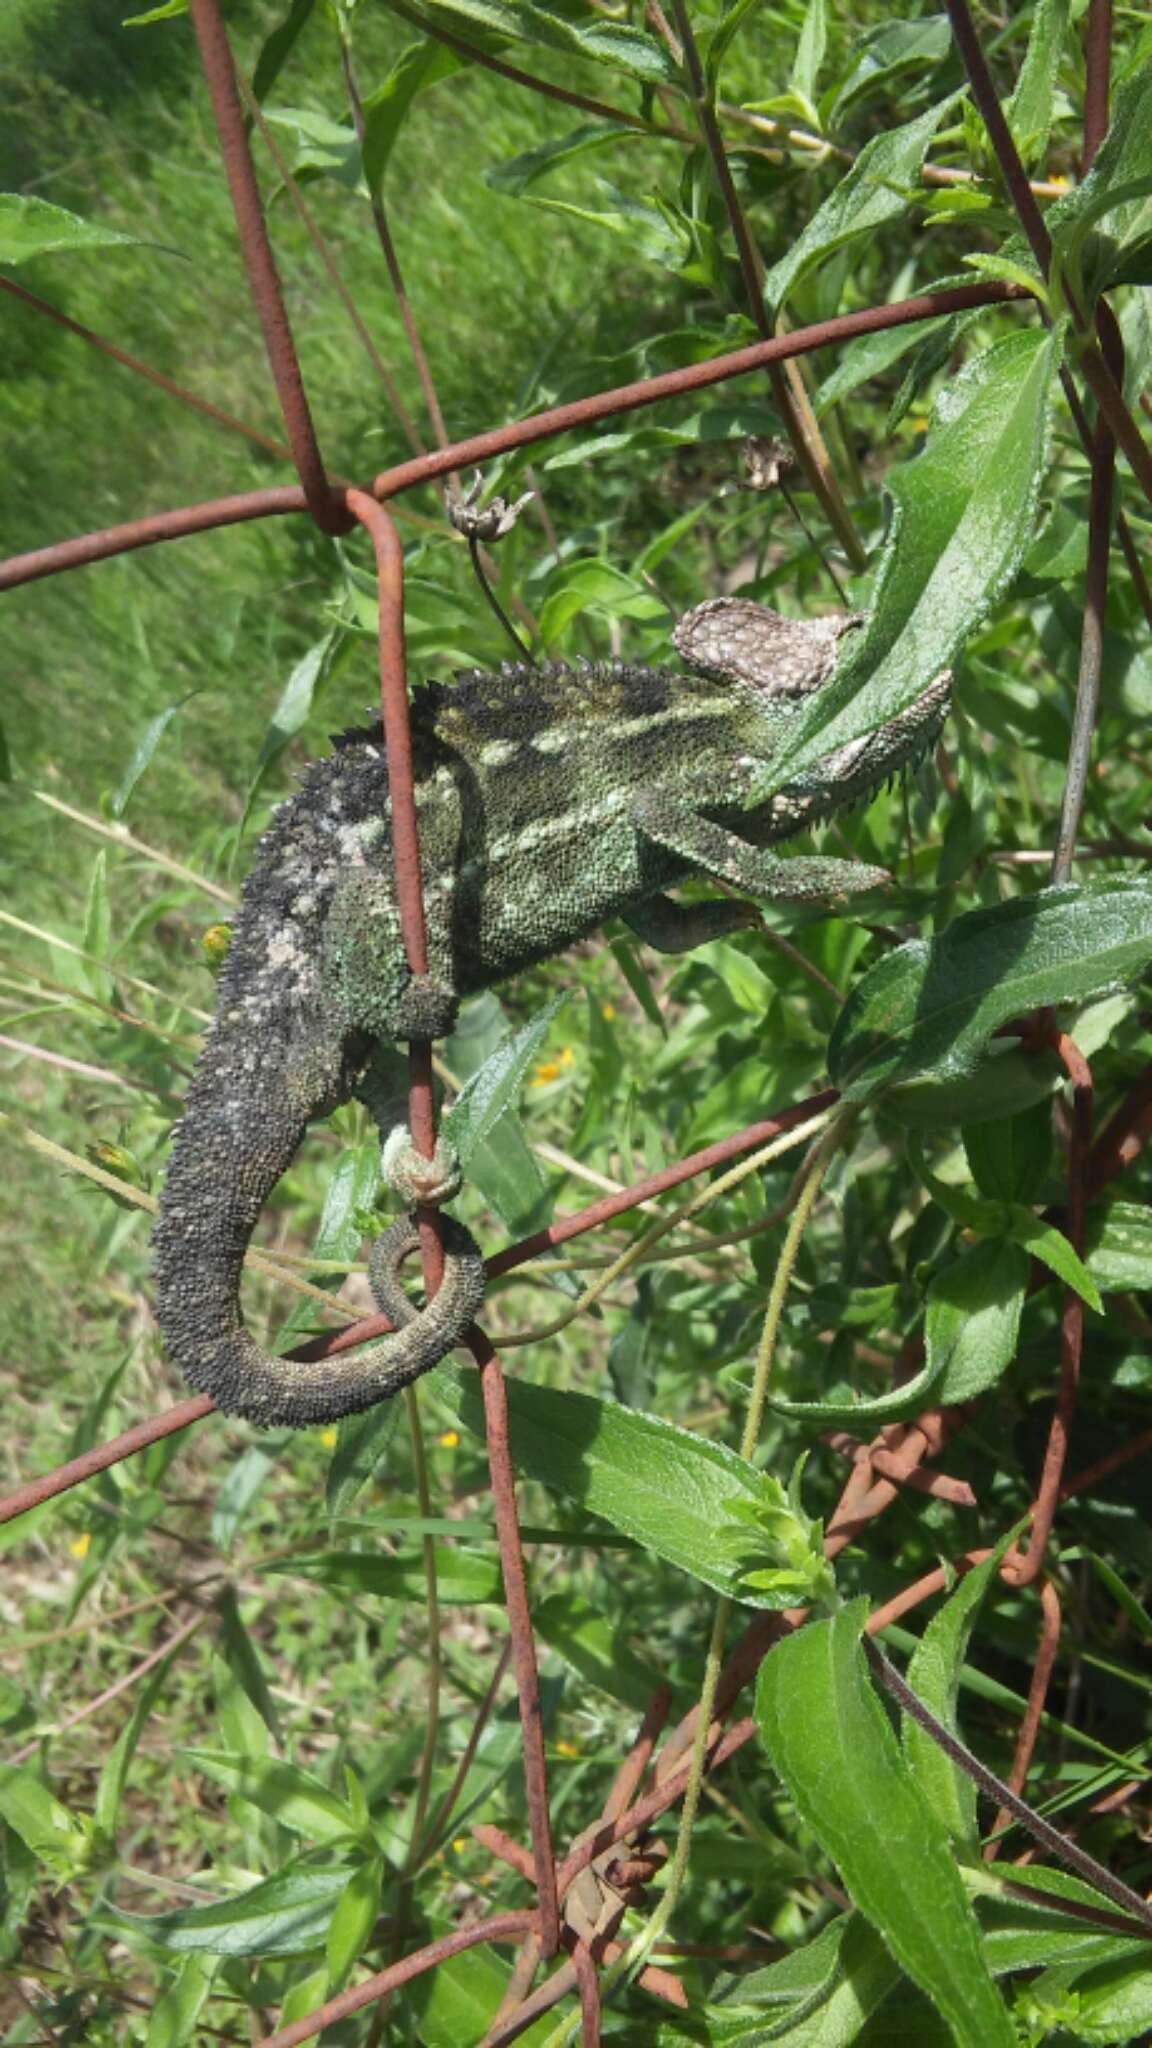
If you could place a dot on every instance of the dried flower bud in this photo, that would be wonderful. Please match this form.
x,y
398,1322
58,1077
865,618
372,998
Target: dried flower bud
x,y
765,458
485,522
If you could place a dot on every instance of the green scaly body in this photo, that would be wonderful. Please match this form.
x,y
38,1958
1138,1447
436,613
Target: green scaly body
x,y
548,800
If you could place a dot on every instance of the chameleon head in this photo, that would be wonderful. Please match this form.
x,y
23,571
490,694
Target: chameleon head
x,y
781,662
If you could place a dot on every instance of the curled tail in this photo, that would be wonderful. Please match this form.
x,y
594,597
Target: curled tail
x,y
248,1107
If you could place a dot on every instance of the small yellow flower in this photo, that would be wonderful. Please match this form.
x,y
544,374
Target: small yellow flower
x,y
328,1438
459,1844
567,1749
82,1544
1060,180
551,1070
448,1439
608,1010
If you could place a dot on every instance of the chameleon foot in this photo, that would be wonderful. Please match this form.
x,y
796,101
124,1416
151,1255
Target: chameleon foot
x,y
418,1179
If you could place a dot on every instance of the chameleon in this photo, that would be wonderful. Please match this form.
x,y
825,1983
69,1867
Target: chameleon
x,y
549,799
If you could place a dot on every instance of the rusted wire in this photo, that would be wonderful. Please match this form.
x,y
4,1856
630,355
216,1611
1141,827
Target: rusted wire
x,y
326,507
1029,1729
501,1927
1097,77
480,448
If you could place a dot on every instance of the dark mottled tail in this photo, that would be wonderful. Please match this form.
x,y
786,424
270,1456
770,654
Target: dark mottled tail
x,y
248,1107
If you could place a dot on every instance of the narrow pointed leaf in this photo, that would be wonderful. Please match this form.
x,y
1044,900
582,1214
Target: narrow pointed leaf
x,y
284,1915
831,1742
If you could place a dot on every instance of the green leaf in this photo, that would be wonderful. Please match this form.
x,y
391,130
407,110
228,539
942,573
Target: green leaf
x,y
929,1006
595,1650
1115,190
293,1797
809,52
934,1676
495,1087
295,705
869,356
1118,1251
174,2019
669,1490
1011,1160
888,53
417,68
145,747
167,12
832,1744
516,173
114,1771
876,189
612,43
353,1920
242,1659
971,1329
461,1576
1052,1248
323,147
965,509
285,1915
1029,111
31,227
819,1996
361,1442
58,1838
278,46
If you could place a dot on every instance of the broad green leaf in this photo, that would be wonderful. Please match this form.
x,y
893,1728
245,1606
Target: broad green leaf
x,y
729,420
1022,1935
929,1006
348,1200
32,227
659,1484
965,510
595,1649
1118,1251
1003,1082
304,1994
829,1738
593,584
819,1996
322,146
1030,108
971,1328
1052,1248
284,1915
173,2021
613,43
495,1087
459,2000
934,1676
876,189
460,1576
1010,1160
289,1795
58,1838
419,66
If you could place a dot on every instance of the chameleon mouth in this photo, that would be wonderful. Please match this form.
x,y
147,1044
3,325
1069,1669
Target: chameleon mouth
x,y
857,771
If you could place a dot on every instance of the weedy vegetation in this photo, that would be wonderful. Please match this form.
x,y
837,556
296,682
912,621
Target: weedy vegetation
x,y
882,1377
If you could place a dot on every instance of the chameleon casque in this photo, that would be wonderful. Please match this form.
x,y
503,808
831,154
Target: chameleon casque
x,y
548,799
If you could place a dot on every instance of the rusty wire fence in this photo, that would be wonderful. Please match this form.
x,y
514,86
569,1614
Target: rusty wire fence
x,y
580,1895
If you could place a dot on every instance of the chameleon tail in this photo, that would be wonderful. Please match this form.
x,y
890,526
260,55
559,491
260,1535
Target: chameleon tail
x,y
248,1107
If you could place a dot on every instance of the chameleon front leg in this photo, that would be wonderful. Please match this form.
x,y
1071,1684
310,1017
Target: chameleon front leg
x,y
672,927
715,851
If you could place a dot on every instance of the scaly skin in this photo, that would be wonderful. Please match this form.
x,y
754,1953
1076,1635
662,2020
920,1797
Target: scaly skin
x,y
548,800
